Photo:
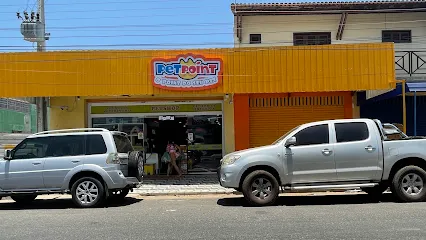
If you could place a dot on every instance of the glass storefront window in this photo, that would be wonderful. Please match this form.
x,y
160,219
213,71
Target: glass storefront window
x,y
200,138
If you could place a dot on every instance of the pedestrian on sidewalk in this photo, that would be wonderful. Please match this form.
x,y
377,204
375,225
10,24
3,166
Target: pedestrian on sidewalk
x,y
174,152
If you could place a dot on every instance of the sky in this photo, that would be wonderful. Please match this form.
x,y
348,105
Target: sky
x,y
151,24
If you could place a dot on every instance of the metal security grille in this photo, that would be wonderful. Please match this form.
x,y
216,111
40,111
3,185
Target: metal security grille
x,y
272,117
15,105
296,101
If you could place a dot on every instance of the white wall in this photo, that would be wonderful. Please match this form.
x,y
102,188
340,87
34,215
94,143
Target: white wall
x,y
278,30
360,28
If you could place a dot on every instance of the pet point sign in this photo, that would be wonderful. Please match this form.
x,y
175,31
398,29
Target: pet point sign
x,y
187,72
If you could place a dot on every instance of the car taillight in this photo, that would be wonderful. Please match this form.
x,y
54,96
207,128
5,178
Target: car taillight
x,y
113,159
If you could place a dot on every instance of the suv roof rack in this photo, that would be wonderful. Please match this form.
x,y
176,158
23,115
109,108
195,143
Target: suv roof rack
x,y
73,130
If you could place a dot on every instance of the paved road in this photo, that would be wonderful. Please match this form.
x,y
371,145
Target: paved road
x,y
223,217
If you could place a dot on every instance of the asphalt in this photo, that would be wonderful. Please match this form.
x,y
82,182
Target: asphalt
x,y
336,216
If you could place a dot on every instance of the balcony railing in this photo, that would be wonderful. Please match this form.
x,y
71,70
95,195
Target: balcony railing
x,y
410,63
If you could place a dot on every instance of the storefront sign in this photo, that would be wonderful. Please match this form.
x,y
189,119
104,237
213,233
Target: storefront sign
x,y
187,72
210,107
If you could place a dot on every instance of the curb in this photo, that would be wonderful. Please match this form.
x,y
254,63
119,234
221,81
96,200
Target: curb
x,y
141,193
185,193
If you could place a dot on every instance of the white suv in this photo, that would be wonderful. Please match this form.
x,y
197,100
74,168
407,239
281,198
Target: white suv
x,y
90,163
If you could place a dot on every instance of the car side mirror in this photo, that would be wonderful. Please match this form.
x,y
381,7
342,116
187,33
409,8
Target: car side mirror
x,y
290,142
7,154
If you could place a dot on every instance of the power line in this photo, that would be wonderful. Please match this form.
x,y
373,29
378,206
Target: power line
x,y
101,3
121,17
128,9
123,26
204,34
190,14
67,28
215,6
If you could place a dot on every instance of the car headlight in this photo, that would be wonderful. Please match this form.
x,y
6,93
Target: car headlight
x,y
228,160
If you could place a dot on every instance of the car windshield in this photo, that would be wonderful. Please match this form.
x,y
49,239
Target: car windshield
x,y
122,143
284,136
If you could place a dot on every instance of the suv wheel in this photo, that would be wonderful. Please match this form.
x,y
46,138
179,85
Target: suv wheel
x,y
87,192
23,199
136,165
260,188
409,184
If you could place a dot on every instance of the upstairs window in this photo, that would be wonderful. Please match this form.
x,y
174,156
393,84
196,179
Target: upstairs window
x,y
311,38
396,36
255,38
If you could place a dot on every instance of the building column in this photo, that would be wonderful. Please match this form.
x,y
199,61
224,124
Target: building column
x,y
241,121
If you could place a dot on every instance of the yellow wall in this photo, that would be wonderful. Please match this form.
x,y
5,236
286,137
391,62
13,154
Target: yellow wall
x,y
73,117
245,70
76,116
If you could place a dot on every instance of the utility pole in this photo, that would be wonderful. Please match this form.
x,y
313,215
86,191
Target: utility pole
x,y
41,101
33,29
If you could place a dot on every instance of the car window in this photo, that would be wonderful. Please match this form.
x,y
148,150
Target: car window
x,y
70,145
285,135
30,148
122,143
313,135
95,144
351,132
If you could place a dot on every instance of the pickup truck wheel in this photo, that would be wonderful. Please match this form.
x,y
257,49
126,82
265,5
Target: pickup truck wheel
x,y
23,199
87,192
260,188
409,184
136,165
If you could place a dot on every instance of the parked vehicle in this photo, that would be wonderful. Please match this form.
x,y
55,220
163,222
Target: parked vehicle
x,y
92,164
334,154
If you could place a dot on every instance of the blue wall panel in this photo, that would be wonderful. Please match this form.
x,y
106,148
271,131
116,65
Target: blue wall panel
x,y
390,111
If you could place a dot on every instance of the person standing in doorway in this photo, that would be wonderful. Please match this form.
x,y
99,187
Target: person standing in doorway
x,y
174,152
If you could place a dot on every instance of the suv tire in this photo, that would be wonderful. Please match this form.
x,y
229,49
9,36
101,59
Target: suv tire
x,y
23,199
260,188
136,165
87,192
409,184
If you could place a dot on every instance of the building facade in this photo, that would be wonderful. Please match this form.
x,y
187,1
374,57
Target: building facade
x,y
209,101
326,23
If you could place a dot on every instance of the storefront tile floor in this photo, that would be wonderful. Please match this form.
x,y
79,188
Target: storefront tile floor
x,y
186,185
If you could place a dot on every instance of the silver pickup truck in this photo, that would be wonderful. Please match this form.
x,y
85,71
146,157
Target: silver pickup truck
x,y
334,154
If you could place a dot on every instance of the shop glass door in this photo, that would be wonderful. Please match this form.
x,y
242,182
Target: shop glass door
x,y
204,143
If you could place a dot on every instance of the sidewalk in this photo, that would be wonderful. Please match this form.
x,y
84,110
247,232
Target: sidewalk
x,y
187,185
191,185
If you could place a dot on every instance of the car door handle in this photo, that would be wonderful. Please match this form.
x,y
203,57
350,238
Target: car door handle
x,y
36,163
327,151
370,148
75,161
